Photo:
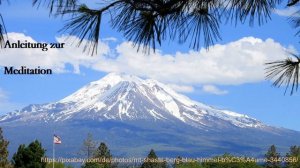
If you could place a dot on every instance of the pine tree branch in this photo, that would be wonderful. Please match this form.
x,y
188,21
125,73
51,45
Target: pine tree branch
x,y
2,32
56,6
250,10
148,22
2,29
292,2
85,23
284,73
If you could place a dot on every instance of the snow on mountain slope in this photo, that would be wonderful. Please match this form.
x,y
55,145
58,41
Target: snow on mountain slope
x,y
127,97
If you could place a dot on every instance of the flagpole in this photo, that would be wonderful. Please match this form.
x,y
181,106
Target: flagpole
x,y
53,153
56,140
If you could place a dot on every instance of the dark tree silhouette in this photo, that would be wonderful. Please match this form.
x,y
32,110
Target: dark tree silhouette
x,y
89,146
29,156
2,29
103,152
285,73
152,161
294,157
148,22
4,163
273,158
228,162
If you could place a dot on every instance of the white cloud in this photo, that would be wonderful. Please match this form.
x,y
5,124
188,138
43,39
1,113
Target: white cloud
x,y
290,11
5,104
234,63
213,90
2,95
182,88
56,59
113,39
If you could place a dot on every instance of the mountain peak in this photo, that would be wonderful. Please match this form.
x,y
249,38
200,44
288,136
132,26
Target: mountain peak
x,y
127,97
114,78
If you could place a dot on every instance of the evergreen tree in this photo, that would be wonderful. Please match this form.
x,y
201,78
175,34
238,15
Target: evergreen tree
x,y
58,165
2,30
103,153
91,165
152,161
4,163
273,158
20,156
229,161
178,162
89,146
189,165
88,149
30,156
293,157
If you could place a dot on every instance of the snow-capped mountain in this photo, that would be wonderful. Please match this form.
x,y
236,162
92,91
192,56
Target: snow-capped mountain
x,y
127,97
134,115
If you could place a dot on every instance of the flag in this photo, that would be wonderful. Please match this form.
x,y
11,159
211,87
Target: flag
x,y
56,139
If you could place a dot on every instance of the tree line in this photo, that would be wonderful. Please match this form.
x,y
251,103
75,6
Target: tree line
x,y
29,156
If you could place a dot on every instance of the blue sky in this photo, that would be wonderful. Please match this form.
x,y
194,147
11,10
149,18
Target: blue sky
x,y
228,76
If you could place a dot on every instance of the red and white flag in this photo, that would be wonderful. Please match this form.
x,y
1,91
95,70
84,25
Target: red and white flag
x,y
56,139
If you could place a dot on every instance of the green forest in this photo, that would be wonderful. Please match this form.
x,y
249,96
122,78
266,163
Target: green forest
x,y
30,156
